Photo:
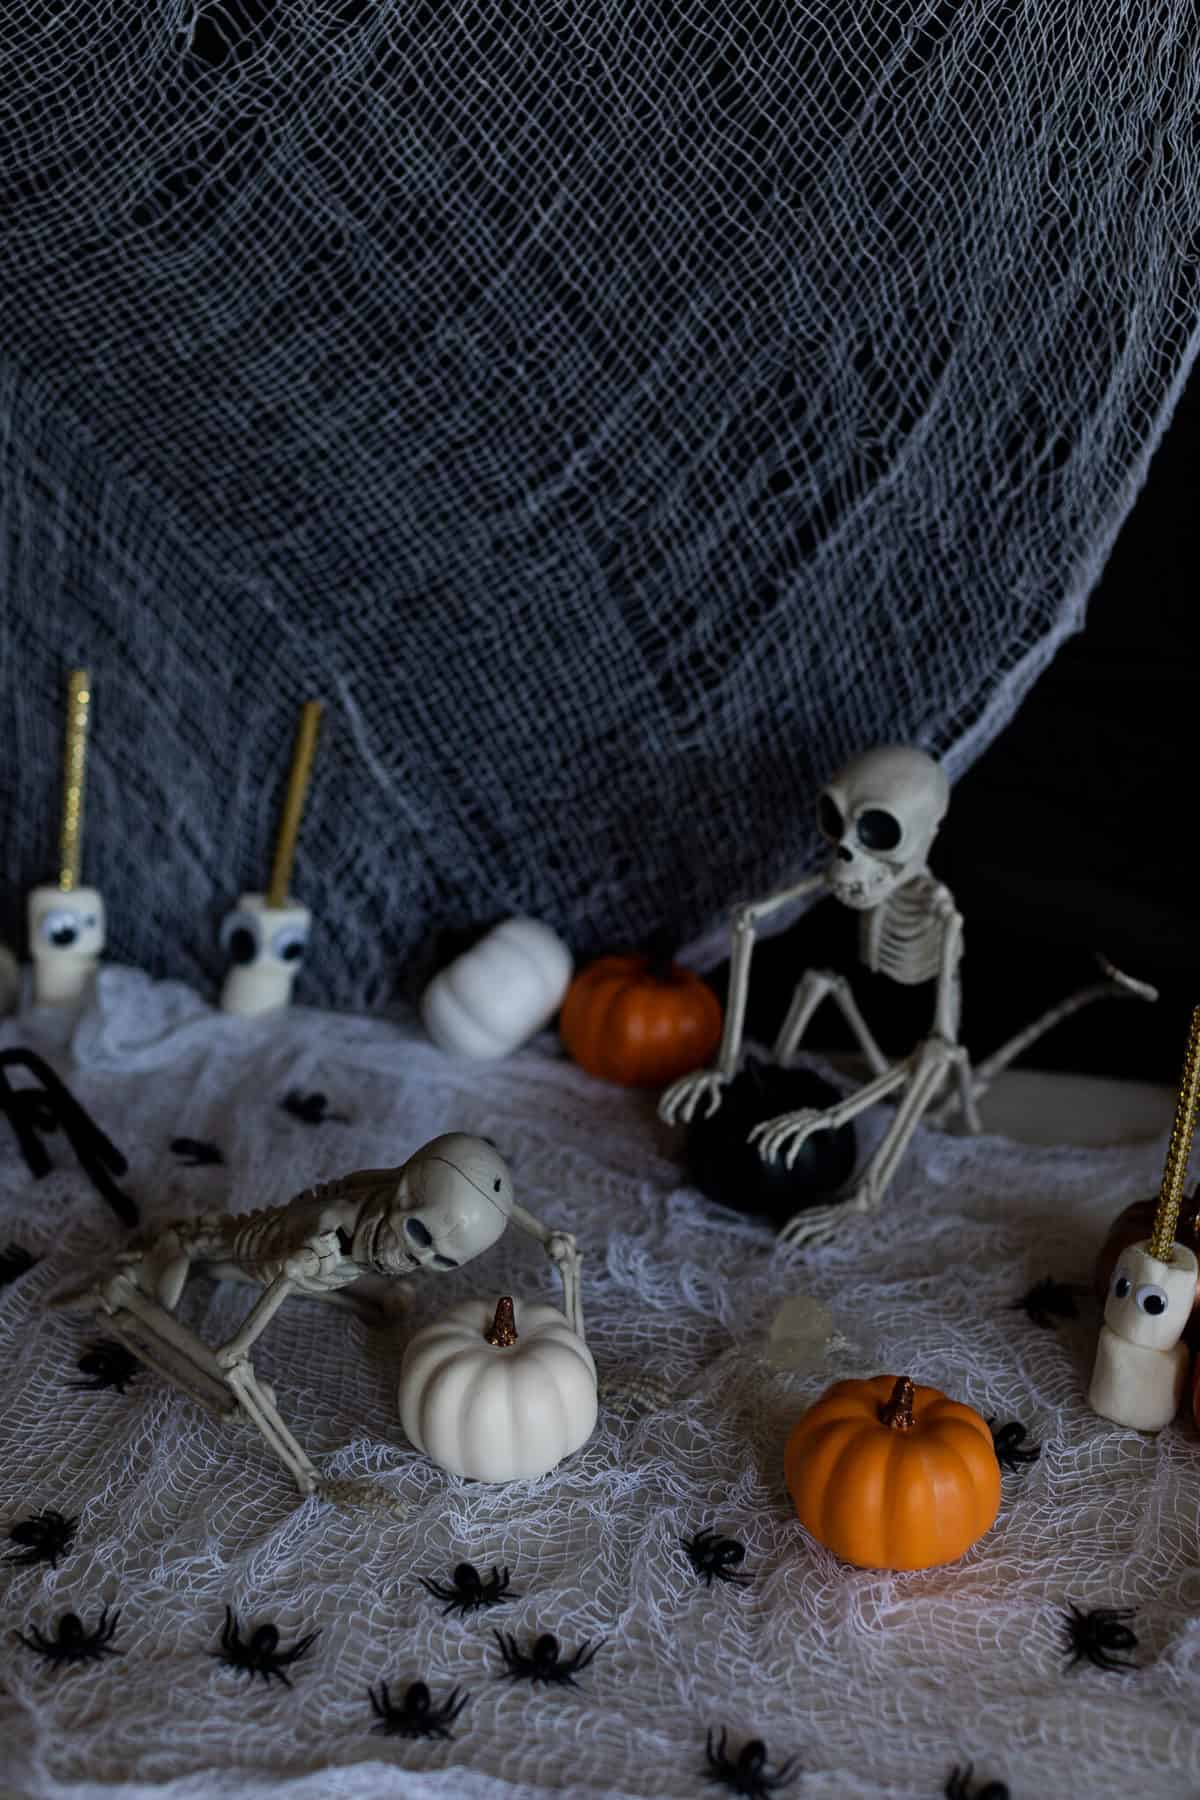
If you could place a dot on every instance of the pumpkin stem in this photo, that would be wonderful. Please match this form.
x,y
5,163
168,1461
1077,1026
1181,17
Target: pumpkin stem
x,y
898,1413
503,1329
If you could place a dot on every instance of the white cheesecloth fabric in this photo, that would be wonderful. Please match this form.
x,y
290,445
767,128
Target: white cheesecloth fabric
x,y
879,1683
620,412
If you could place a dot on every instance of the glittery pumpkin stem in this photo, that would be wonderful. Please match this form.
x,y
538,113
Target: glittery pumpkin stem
x,y
70,842
503,1329
1170,1194
293,803
898,1413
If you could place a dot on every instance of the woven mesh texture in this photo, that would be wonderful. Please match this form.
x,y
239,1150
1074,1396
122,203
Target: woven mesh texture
x,y
620,414
879,1683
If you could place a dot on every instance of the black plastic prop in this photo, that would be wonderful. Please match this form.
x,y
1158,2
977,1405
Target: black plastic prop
x,y
34,1111
468,1591
416,1716
543,1663
958,1786
193,1152
109,1365
1046,1298
44,1537
1097,1635
728,1169
1008,1441
71,1643
311,1109
261,1654
747,1773
715,1558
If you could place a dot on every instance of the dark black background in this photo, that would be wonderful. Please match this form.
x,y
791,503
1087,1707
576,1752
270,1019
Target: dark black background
x,y
1076,831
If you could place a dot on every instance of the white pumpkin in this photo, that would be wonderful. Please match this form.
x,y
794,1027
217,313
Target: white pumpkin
x,y
495,996
498,1393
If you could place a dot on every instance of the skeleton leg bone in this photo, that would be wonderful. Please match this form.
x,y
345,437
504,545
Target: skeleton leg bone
x,y
788,1131
564,1253
815,986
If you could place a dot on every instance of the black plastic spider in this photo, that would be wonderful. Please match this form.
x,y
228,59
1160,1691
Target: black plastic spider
x,y
193,1152
109,1364
1007,1440
261,1656
71,1643
43,1538
37,1112
715,1558
416,1716
958,1786
468,1591
543,1663
749,1775
1097,1633
15,1261
311,1109
1048,1297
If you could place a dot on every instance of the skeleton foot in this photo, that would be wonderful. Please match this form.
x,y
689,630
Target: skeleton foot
x,y
679,1103
821,1224
788,1133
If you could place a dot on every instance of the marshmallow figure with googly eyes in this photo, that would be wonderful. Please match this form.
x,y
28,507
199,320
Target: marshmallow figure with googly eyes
x,y
1141,1365
266,935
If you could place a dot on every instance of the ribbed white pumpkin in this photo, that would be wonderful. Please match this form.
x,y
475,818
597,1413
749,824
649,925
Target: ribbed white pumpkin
x,y
495,996
498,1412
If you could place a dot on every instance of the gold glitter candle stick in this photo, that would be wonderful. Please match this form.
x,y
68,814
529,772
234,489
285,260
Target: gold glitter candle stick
x,y
70,852
293,804
1170,1194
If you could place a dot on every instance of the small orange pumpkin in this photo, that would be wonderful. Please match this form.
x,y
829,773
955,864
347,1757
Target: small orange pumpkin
x,y
640,1022
892,1476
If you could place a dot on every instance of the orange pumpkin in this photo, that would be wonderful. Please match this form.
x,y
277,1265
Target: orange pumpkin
x,y
640,1022
892,1476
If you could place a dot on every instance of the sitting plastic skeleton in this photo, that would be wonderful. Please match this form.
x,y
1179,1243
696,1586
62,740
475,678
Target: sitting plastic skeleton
x,y
881,814
446,1205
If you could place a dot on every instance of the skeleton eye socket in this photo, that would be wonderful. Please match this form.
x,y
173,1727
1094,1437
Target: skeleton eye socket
x,y
830,822
877,830
1121,1286
61,927
239,937
418,1233
1152,1300
289,943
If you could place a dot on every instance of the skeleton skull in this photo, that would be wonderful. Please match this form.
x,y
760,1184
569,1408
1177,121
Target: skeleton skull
x,y
265,945
452,1201
881,812
66,937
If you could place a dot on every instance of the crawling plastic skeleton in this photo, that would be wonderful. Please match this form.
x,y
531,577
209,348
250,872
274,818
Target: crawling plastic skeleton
x,y
880,816
345,1240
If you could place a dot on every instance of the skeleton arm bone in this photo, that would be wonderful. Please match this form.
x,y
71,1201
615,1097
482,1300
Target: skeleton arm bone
x,y
563,1252
683,1096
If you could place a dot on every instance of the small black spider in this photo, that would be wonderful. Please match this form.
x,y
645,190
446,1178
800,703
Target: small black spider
x,y
1048,1297
958,1786
193,1152
1097,1634
109,1364
15,1261
1007,1440
42,1538
416,1716
749,1775
715,1558
261,1656
311,1109
543,1663
468,1591
71,1643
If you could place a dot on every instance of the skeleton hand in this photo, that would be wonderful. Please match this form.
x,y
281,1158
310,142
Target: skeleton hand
x,y
562,1250
788,1131
678,1104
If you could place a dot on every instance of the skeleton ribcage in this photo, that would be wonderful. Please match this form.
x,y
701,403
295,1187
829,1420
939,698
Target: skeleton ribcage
x,y
902,939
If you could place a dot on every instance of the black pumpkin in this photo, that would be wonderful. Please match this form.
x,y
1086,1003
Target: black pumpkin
x,y
728,1169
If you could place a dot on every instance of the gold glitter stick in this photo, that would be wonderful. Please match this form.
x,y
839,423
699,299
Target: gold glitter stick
x,y
70,843
293,803
1170,1194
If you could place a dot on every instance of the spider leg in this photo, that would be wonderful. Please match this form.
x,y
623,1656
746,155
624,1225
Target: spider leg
x,y
37,1642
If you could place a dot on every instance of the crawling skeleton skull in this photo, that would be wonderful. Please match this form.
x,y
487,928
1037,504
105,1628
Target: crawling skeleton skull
x,y
880,816
344,1240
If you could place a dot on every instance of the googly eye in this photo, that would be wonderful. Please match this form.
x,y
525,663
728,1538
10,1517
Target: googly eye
x,y
1151,1299
61,927
1121,1286
289,943
239,937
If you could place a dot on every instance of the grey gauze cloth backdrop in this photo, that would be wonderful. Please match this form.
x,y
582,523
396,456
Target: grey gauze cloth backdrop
x,y
618,413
